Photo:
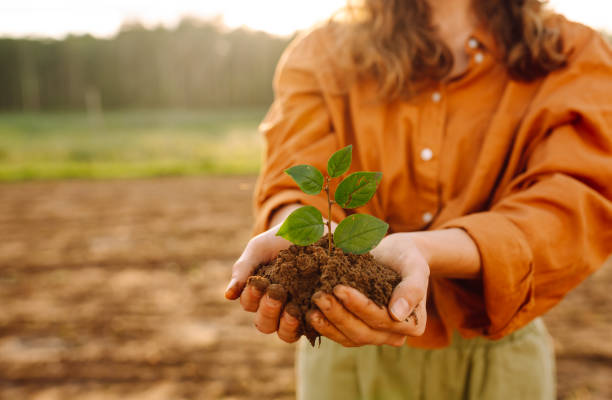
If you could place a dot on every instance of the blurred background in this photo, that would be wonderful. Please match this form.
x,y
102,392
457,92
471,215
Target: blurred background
x,y
111,288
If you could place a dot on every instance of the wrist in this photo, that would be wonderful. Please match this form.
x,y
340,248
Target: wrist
x,y
450,253
423,244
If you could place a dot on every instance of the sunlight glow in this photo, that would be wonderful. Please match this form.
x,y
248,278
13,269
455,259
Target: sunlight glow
x,y
56,18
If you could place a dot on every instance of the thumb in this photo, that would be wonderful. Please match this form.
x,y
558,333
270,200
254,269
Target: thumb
x,y
261,248
408,294
241,270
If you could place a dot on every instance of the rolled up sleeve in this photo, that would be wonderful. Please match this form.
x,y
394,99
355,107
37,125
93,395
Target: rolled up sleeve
x,y
548,233
503,247
549,222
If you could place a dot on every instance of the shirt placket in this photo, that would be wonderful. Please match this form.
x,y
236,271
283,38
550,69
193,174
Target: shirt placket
x,y
428,148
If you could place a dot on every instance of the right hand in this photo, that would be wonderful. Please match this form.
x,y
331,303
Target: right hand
x,y
265,300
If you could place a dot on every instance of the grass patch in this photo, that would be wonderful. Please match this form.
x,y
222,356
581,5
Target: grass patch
x,y
129,144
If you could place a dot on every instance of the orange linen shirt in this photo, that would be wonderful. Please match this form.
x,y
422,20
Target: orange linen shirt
x,y
524,168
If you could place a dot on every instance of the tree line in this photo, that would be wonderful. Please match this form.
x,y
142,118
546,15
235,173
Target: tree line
x,y
197,64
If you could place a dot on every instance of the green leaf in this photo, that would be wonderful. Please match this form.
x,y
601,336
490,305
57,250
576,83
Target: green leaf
x,y
359,233
340,162
304,226
308,178
357,189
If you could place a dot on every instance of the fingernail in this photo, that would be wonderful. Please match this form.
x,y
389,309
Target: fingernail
x,y
291,320
277,292
322,301
340,292
293,310
258,282
314,317
231,285
400,309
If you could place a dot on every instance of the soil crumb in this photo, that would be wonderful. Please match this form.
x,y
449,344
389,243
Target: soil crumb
x,y
298,272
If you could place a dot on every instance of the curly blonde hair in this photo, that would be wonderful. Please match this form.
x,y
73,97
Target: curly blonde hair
x,y
395,42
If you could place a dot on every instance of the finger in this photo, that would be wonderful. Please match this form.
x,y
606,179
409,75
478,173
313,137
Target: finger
x,y
374,316
407,294
268,312
364,308
347,323
261,248
418,319
254,291
289,324
241,270
327,329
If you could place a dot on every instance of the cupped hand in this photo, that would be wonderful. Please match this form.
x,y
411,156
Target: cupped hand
x,y
351,319
258,295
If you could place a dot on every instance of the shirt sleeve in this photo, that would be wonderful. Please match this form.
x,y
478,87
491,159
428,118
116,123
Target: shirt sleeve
x,y
552,226
297,130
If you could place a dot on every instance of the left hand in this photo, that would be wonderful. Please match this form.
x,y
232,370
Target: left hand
x,y
351,319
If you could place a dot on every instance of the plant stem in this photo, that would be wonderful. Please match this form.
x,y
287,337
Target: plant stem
x,y
329,204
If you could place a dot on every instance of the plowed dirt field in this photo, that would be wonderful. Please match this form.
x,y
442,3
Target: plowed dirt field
x,y
114,290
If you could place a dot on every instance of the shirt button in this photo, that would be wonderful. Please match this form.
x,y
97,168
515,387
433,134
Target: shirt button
x,y
473,43
478,57
426,154
427,217
436,97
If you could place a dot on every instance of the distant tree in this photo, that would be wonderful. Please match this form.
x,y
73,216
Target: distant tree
x,y
200,63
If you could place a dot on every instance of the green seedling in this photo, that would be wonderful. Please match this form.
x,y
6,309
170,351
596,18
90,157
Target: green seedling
x,y
356,234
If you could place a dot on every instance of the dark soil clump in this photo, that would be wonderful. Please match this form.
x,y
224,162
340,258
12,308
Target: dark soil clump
x,y
302,271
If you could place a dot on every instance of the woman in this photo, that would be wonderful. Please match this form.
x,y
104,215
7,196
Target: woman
x,y
492,124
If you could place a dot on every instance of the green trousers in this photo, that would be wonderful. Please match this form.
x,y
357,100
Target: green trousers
x,y
520,366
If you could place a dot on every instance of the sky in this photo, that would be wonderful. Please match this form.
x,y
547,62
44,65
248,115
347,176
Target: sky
x,y
57,18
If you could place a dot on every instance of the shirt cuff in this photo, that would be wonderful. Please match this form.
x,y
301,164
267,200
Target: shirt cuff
x,y
506,286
